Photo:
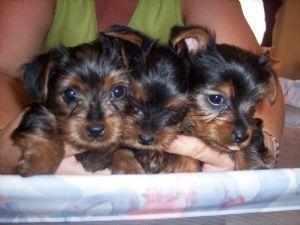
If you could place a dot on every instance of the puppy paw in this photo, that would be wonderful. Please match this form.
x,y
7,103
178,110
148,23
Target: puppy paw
x,y
124,162
37,139
94,160
183,164
39,156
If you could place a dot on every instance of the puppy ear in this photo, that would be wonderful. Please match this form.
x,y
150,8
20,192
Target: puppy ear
x,y
130,39
274,61
191,39
271,90
35,77
36,73
125,33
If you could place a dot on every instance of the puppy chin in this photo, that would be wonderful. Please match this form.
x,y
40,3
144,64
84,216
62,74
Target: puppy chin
x,y
141,147
99,146
84,142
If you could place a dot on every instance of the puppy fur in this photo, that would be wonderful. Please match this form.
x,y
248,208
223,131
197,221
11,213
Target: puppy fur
x,y
78,96
157,104
226,83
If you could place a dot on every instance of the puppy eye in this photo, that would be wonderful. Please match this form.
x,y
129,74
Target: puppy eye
x,y
70,93
118,91
215,99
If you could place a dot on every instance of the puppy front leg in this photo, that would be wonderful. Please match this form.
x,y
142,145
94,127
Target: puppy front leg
x,y
40,144
124,162
93,160
183,164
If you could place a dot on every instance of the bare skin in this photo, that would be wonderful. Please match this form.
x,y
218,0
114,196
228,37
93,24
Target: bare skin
x,y
24,24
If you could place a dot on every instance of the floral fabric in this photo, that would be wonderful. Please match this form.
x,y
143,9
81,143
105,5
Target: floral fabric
x,y
130,197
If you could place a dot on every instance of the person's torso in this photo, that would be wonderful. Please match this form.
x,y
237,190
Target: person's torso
x,y
75,21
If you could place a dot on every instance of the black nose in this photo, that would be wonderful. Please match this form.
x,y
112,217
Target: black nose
x,y
146,139
95,131
240,136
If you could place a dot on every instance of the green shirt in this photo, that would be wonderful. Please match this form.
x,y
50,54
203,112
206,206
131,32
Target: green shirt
x,y
75,21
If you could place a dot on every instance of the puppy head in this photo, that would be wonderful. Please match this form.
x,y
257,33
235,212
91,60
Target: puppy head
x,y
157,106
157,102
226,83
85,87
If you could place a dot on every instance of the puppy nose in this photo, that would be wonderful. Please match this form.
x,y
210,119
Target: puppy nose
x,y
146,139
240,136
95,131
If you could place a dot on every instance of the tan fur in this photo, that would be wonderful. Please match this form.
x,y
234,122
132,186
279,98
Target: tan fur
x,y
37,149
140,94
124,162
183,164
74,81
228,90
113,80
126,36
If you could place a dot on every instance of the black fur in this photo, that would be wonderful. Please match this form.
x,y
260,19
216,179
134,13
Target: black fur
x,y
161,75
73,107
212,65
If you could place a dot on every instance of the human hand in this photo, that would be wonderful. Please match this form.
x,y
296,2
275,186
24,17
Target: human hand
x,y
214,160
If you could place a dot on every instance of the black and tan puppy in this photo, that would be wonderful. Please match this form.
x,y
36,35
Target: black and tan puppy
x,y
157,105
79,94
226,84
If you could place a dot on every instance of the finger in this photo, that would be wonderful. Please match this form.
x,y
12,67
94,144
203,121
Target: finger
x,y
197,149
211,168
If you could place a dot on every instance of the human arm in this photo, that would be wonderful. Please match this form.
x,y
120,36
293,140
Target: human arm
x,y
23,26
225,17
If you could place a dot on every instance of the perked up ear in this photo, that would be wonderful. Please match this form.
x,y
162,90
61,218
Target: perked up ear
x,y
271,90
191,39
131,40
35,77
124,33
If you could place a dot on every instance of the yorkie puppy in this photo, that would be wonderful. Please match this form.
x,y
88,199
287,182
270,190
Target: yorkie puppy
x,y
226,84
79,94
157,104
